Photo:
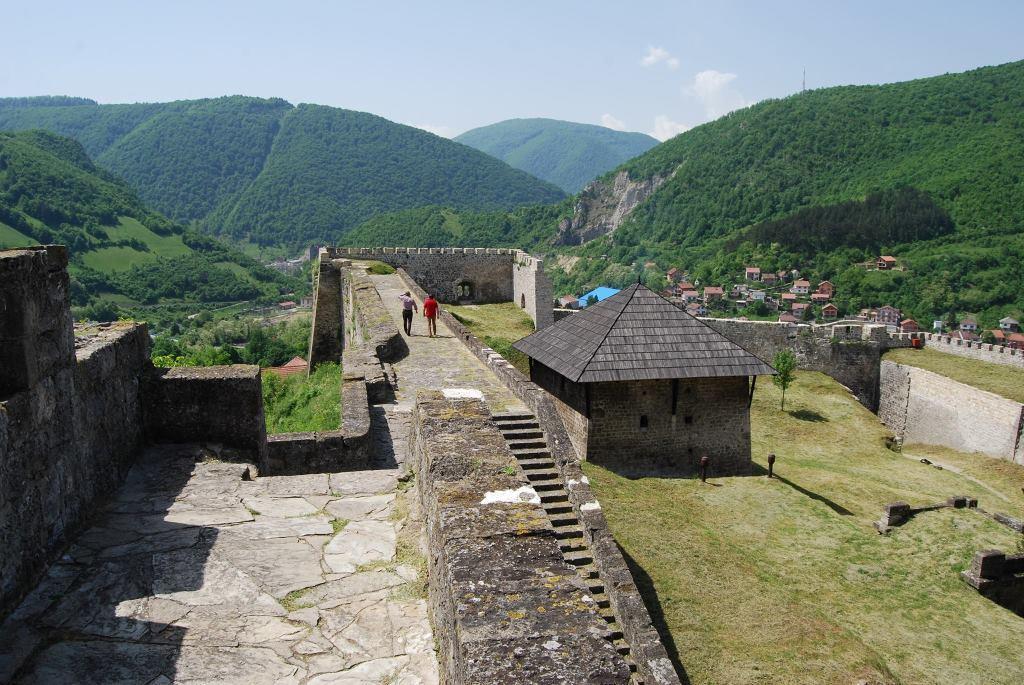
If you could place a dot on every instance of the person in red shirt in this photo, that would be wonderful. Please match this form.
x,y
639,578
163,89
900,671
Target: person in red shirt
x,y
430,311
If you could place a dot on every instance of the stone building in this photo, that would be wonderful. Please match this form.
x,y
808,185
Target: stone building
x,y
642,386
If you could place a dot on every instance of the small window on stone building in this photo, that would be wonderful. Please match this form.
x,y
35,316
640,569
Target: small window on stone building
x,y
643,420
687,419
522,301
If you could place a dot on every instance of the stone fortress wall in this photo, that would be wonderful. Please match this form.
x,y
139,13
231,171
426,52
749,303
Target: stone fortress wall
x,y
75,411
996,354
923,407
461,275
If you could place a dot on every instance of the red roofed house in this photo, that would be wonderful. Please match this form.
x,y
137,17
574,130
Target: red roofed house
x,y
827,288
296,365
713,292
1010,339
674,275
769,278
888,315
830,311
788,299
801,286
753,273
819,298
909,326
969,324
799,309
690,295
786,317
886,262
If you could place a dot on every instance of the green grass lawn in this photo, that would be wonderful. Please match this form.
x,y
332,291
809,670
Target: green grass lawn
x,y
1000,379
297,403
786,580
12,238
498,326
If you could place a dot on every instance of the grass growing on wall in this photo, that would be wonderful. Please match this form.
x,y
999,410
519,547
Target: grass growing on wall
x,y
786,580
379,268
497,326
296,403
1001,379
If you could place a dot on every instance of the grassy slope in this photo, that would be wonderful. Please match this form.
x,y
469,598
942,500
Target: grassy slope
x,y
763,581
110,259
498,326
297,403
12,238
1000,379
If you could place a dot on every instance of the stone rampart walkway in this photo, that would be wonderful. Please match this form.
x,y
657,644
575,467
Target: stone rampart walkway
x,y
196,574
441,363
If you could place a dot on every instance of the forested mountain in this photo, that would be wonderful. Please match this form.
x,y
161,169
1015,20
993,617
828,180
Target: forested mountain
x,y
568,154
263,170
930,170
51,192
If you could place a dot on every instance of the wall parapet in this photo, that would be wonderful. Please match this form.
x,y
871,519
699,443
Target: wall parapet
x,y
506,606
377,328
647,649
970,349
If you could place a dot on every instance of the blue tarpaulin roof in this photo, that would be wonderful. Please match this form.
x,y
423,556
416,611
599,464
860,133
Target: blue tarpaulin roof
x,y
602,293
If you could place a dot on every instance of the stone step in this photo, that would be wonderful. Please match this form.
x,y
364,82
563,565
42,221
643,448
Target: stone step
x,y
566,533
545,486
517,425
602,600
512,416
580,558
596,587
572,546
622,647
560,520
522,434
532,453
588,572
554,496
526,444
543,474
557,508
537,463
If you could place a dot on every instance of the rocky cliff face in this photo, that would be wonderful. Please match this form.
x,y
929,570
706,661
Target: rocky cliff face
x,y
602,207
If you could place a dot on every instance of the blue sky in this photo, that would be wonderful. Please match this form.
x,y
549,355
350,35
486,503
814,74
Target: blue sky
x,y
656,67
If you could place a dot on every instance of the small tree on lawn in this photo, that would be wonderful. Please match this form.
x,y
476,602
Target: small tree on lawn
x,y
785,364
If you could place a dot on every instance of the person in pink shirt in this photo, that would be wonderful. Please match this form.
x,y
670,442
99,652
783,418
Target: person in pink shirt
x,y
408,307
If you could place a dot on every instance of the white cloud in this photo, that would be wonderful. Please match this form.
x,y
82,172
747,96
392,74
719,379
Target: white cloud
x,y
443,131
657,55
665,128
714,90
608,121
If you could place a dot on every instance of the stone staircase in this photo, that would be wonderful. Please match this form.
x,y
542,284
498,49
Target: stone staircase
x,y
528,443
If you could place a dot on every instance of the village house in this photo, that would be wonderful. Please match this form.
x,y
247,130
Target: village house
x,y
909,326
568,302
738,290
696,309
800,287
1009,325
800,309
674,275
753,273
295,366
756,295
886,262
965,336
769,278
787,300
713,292
830,311
827,288
1012,340
786,317
690,295
937,325
969,324
888,315
819,298
643,387
306,301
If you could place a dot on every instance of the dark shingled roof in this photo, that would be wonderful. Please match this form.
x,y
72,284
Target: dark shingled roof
x,y
637,335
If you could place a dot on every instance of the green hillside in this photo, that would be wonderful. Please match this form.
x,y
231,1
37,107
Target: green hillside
x,y
274,174
568,154
120,251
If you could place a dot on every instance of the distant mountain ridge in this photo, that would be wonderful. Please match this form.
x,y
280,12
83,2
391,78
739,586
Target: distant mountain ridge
x,y
565,153
274,173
